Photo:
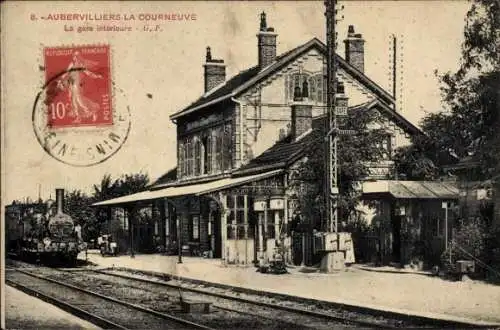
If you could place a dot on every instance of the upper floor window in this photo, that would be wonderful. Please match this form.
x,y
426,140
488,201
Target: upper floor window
x,y
208,152
386,147
315,84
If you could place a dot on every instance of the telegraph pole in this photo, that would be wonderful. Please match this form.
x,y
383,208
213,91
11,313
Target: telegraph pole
x,y
331,83
334,258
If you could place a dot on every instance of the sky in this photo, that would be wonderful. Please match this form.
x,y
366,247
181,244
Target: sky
x,y
160,72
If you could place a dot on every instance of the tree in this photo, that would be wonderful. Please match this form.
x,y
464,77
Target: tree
x,y
472,94
108,188
355,153
420,160
470,124
77,204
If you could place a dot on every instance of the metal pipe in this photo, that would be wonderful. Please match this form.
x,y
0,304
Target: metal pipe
x,y
179,243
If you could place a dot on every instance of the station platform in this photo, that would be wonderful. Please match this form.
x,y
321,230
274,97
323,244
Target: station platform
x,y
23,311
413,294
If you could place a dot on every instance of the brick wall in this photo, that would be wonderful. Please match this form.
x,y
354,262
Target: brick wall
x,y
355,53
266,48
215,74
301,119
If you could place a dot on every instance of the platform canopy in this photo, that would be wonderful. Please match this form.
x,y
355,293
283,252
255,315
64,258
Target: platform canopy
x,y
186,190
410,189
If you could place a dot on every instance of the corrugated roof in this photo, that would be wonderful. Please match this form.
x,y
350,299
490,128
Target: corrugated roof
x,y
411,189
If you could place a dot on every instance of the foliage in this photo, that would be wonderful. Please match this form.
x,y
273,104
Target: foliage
x,y
78,205
470,124
493,248
418,160
469,242
109,188
472,93
355,152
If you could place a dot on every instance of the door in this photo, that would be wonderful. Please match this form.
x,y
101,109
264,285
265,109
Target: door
x,y
217,234
396,237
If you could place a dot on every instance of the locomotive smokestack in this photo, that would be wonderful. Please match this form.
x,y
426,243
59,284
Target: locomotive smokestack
x,y
60,200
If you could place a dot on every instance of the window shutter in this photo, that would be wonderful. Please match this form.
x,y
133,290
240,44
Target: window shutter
x,y
209,153
197,156
180,159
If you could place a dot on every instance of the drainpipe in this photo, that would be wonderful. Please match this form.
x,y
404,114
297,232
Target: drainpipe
x,y
241,142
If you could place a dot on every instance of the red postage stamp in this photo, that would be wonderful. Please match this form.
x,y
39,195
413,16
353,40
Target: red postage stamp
x,y
80,116
78,86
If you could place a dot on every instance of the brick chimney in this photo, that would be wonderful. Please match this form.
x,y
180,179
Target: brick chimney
x,y
301,112
355,49
266,43
215,71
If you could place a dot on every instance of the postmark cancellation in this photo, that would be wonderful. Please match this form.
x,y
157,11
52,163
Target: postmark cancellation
x,y
80,117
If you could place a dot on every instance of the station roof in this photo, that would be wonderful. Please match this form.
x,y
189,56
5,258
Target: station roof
x,y
410,189
249,78
196,189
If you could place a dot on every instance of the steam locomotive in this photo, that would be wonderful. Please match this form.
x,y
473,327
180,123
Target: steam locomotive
x,y
40,232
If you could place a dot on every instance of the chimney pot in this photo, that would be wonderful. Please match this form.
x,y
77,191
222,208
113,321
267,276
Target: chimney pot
x,y
209,55
263,23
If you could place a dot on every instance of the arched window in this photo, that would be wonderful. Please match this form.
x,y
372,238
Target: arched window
x,y
294,80
316,86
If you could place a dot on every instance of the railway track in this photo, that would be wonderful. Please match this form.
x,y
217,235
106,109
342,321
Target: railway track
x,y
295,315
231,308
331,312
104,311
165,300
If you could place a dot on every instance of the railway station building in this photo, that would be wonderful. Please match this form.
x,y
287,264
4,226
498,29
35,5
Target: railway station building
x,y
229,195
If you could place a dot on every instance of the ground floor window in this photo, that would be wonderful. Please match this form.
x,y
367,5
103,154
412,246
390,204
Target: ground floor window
x,y
194,229
238,226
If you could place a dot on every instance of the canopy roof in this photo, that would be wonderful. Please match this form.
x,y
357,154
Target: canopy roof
x,y
411,189
193,189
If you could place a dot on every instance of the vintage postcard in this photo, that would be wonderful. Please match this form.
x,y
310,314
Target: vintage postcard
x,y
237,165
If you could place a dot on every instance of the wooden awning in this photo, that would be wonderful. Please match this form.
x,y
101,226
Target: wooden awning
x,y
186,190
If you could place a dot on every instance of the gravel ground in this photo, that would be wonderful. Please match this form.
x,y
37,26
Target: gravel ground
x,y
116,313
23,311
411,293
165,300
